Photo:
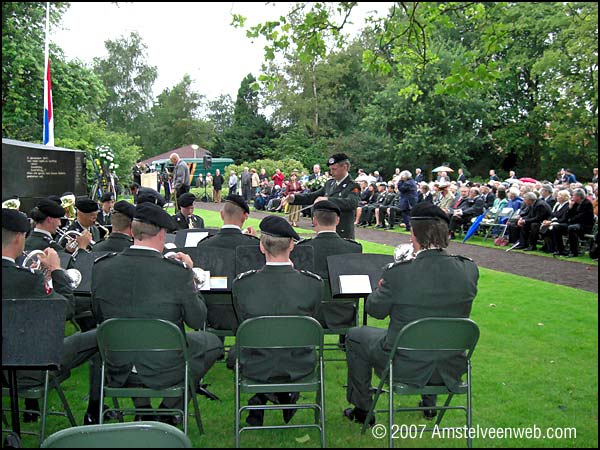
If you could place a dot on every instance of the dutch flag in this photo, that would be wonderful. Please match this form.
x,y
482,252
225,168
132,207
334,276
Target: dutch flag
x,y
48,114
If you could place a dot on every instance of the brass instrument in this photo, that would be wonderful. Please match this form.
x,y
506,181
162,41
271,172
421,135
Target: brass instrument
x,y
68,203
70,237
190,225
32,261
201,277
11,203
103,228
404,252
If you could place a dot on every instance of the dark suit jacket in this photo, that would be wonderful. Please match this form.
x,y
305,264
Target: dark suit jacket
x,y
41,241
345,196
336,314
582,214
183,223
139,283
277,291
434,284
538,212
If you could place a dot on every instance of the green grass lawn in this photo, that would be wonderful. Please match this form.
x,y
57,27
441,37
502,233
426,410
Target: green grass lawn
x,y
536,364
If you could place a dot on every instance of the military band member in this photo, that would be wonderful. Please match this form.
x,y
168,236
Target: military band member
x,y
186,218
24,283
132,284
276,289
340,313
107,202
87,212
340,189
47,217
234,213
407,292
142,194
120,237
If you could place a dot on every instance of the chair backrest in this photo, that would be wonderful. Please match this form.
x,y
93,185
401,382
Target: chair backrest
x,y
147,335
120,435
279,332
438,334
506,212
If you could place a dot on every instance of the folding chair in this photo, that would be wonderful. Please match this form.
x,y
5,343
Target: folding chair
x,y
41,392
120,435
429,335
280,332
123,340
500,221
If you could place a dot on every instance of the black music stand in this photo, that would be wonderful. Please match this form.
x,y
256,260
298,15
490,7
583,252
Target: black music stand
x,y
249,257
369,264
181,236
32,339
219,261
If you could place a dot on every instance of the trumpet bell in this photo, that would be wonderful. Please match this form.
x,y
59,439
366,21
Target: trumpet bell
x,y
75,277
404,252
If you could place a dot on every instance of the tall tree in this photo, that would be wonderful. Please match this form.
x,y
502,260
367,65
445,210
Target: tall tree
x,y
174,121
250,135
128,80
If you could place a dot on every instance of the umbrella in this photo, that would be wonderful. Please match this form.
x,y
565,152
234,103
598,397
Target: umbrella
x,y
442,169
528,180
474,226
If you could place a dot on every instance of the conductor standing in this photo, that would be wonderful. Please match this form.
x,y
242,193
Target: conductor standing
x,y
340,190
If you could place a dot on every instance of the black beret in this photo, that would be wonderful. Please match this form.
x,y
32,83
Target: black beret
x,y
14,220
86,205
50,208
428,211
155,215
239,201
338,157
125,208
55,198
326,205
186,200
278,227
106,197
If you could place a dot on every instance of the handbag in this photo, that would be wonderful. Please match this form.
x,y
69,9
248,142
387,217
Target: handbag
x,y
501,241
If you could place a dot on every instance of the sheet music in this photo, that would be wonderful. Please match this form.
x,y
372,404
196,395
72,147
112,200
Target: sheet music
x,y
355,284
218,283
192,238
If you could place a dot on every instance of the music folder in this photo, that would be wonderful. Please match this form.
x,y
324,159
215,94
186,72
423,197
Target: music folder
x,y
355,284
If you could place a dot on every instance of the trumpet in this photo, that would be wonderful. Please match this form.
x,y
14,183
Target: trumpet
x,y
32,261
404,252
201,277
70,239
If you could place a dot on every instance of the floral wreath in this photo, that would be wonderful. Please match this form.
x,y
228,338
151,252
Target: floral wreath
x,y
105,158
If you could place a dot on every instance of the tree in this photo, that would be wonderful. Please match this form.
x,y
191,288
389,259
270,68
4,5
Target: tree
x,y
174,121
251,134
128,80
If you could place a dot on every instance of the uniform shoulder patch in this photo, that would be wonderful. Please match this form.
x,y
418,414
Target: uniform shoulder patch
x,y
310,274
108,255
245,274
176,262
464,258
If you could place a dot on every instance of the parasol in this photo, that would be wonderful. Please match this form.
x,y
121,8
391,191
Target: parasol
x,y
442,169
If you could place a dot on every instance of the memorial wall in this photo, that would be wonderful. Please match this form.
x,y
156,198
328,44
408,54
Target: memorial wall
x,y
34,171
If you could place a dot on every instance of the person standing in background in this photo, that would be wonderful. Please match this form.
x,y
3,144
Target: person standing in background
x,y
181,175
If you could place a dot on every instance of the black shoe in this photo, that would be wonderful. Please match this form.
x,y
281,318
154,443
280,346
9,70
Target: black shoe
x,y
256,416
342,342
289,413
571,255
428,413
358,415
91,418
169,419
146,418
557,253
530,249
32,404
379,226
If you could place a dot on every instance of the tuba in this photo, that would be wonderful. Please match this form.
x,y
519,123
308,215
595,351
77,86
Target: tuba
x,y
68,204
11,203
32,261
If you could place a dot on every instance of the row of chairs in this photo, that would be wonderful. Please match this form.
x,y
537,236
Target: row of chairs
x,y
129,336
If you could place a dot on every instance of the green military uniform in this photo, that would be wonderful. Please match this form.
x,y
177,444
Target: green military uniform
x,y
183,223
345,195
116,242
434,284
93,230
142,283
277,290
222,316
21,283
339,313
39,240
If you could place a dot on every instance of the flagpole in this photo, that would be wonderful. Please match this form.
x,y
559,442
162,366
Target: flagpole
x,y
48,132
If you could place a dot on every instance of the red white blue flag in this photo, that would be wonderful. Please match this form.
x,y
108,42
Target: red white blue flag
x,y
48,113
